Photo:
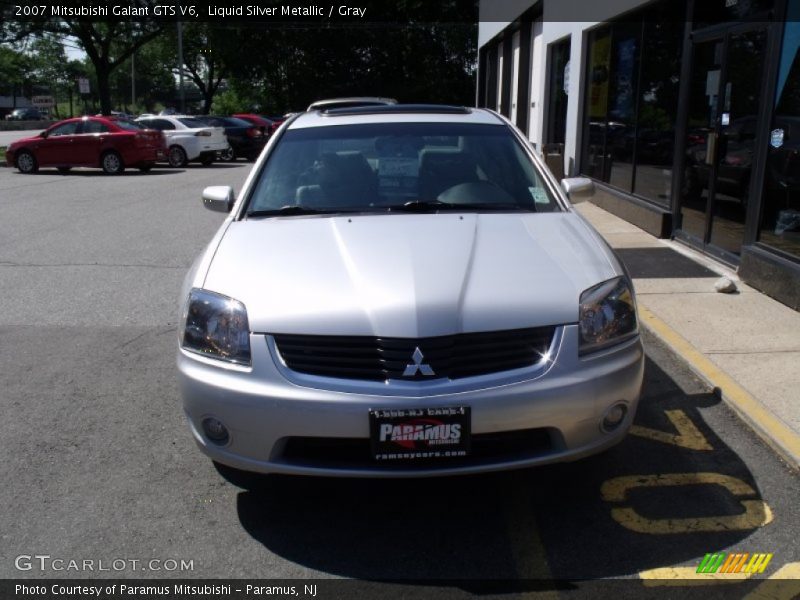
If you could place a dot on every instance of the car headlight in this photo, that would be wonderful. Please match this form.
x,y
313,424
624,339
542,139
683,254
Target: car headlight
x,y
216,326
607,315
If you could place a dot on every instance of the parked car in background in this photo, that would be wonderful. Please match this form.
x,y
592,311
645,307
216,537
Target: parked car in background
x,y
277,121
441,309
264,124
25,114
350,102
108,143
244,139
187,138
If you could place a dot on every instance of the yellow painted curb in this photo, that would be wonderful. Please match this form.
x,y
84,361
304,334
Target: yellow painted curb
x,y
769,427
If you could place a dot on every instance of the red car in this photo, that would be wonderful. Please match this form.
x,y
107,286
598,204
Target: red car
x,y
265,125
105,142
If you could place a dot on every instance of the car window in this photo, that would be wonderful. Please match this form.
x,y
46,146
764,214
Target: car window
x,y
160,124
94,127
236,122
129,125
373,166
64,129
193,123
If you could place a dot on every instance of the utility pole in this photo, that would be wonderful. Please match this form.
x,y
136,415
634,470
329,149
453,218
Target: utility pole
x,y
133,81
180,67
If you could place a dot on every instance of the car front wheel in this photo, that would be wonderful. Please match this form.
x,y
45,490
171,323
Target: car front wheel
x,y
227,155
177,157
112,163
26,162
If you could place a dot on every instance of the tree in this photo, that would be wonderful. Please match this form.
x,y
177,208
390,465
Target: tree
x,y
202,63
14,72
50,67
107,43
417,62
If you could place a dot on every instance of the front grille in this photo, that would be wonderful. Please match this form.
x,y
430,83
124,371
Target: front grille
x,y
451,356
486,448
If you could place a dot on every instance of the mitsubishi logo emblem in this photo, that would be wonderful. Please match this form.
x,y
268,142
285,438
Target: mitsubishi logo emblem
x,y
412,369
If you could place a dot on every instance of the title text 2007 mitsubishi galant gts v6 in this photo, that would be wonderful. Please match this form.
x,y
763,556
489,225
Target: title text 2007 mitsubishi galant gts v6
x,y
405,290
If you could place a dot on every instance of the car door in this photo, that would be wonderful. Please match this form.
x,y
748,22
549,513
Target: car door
x,y
88,142
56,148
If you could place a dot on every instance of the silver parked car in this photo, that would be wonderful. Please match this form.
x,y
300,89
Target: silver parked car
x,y
405,290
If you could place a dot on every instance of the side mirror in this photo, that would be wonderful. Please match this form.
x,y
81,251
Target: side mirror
x,y
43,134
219,198
577,187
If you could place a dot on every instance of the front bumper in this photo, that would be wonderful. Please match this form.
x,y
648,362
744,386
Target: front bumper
x,y
263,409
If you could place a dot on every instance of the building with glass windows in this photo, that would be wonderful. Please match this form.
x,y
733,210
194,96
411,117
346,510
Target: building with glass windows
x,y
685,113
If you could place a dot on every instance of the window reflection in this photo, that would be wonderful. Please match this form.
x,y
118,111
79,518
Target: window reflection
x,y
633,72
780,216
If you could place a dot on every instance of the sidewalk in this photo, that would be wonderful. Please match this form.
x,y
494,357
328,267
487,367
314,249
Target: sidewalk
x,y
745,343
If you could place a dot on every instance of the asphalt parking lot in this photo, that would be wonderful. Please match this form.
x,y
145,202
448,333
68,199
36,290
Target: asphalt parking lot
x,y
99,464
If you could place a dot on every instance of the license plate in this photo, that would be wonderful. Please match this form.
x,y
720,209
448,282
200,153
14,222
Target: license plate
x,y
419,433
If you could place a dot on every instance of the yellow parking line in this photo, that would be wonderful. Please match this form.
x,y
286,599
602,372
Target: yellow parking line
x,y
687,576
774,431
784,584
688,435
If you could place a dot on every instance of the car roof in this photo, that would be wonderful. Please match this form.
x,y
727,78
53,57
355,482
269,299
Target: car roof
x,y
396,113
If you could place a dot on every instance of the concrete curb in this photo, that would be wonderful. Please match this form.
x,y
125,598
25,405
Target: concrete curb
x,y
758,417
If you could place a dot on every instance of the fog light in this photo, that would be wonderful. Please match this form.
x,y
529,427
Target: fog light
x,y
215,431
614,417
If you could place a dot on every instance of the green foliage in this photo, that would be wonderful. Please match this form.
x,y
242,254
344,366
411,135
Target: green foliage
x,y
229,102
286,69
14,70
279,68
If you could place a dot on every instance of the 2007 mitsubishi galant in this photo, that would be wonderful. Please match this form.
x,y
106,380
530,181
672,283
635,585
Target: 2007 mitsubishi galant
x,y
405,290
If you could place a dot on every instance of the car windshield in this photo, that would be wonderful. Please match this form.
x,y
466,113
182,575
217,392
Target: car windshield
x,y
399,167
193,123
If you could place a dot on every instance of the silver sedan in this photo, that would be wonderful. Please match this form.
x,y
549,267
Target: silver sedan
x,y
405,290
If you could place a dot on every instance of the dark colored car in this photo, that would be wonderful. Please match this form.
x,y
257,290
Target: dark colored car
x,y
244,138
108,143
264,124
25,114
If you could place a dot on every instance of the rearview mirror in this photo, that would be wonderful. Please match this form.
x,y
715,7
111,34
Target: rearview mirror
x,y
577,187
219,198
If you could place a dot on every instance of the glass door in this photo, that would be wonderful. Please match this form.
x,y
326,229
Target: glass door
x,y
722,126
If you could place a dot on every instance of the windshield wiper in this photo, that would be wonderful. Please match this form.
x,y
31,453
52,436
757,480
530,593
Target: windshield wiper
x,y
437,205
292,210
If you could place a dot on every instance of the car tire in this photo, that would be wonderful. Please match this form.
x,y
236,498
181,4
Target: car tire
x,y
246,480
228,155
177,157
26,162
207,159
112,163
64,170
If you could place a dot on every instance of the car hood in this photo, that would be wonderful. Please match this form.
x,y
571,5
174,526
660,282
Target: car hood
x,y
408,275
24,142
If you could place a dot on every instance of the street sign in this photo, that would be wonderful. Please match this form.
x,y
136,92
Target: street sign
x,y
83,85
43,101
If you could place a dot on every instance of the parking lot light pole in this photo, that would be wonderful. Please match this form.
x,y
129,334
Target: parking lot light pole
x,y
180,66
